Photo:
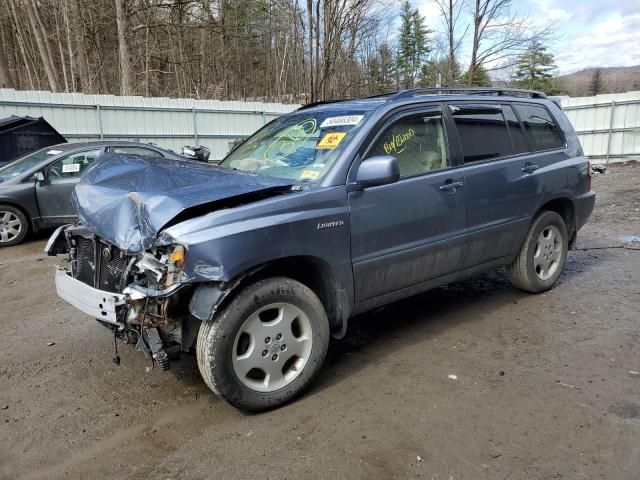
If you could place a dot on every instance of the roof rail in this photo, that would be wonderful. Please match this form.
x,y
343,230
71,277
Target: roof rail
x,y
315,104
413,92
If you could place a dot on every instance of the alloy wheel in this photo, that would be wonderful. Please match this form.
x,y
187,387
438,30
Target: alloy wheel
x,y
10,226
548,252
272,347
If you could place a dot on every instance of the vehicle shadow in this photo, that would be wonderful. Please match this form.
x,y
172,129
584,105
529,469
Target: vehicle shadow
x,y
427,315
410,321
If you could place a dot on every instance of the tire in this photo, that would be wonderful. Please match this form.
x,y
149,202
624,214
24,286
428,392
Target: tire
x,y
543,255
267,316
14,226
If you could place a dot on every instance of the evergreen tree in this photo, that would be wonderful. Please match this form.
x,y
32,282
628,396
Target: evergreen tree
x,y
387,68
381,71
597,84
414,44
480,78
533,69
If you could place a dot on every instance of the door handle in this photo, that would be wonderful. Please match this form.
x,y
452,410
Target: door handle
x,y
529,167
451,187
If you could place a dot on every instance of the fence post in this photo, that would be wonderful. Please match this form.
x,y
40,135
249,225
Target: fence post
x,y
613,106
195,124
99,119
264,117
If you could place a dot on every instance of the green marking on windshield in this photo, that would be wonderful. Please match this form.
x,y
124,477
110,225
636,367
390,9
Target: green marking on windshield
x,y
290,139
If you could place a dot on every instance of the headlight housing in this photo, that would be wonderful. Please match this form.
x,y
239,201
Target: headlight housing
x,y
162,266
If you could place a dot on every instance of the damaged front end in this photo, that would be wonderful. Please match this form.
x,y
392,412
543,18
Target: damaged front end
x,y
141,297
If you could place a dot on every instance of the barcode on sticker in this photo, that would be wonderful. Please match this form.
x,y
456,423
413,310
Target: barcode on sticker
x,y
71,168
340,121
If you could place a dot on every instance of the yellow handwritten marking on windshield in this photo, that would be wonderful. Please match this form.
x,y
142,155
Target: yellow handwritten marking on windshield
x,y
309,175
397,142
290,139
331,140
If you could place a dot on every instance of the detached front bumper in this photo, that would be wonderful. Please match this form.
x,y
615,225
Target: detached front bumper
x,y
100,304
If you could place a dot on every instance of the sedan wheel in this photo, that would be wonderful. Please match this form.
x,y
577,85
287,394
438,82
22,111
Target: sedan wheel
x,y
13,226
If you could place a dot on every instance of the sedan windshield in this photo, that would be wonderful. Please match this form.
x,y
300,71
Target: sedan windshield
x,y
29,161
301,146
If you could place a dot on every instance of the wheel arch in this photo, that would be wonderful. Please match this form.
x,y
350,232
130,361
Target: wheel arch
x,y
313,272
564,207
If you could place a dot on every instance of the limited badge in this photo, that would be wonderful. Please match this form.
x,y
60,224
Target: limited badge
x,y
309,175
331,140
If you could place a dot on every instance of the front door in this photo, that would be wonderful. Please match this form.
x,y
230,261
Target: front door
x,y
54,193
410,231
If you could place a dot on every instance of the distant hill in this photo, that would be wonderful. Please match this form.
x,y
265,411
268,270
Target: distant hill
x,y
617,80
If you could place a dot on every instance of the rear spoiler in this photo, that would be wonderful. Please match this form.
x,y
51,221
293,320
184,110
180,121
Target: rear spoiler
x,y
558,99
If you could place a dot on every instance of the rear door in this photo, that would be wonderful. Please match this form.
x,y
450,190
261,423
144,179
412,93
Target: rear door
x,y
61,176
408,232
500,180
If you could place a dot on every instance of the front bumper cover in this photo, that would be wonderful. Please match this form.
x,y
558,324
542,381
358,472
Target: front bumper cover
x,y
105,306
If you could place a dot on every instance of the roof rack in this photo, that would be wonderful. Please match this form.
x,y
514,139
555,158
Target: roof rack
x,y
315,104
413,92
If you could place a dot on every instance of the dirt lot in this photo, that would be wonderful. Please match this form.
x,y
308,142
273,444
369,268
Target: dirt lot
x,y
547,385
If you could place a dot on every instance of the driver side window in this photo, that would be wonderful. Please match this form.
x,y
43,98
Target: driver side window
x,y
72,166
419,142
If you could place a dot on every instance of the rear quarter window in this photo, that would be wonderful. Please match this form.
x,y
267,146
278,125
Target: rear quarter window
x,y
540,128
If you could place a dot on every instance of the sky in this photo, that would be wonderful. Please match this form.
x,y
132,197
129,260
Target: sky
x,y
589,33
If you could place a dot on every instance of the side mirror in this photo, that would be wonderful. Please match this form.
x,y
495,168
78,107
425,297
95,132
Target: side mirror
x,y
39,177
379,170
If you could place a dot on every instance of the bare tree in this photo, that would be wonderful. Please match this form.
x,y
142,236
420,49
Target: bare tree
x,y
499,33
450,11
40,33
124,54
6,78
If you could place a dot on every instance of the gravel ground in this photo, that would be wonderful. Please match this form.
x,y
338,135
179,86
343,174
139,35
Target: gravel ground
x,y
472,381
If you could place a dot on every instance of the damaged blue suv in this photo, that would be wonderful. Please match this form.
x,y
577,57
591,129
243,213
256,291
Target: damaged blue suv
x,y
324,213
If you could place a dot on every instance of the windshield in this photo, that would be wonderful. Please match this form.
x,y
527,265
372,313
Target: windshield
x,y
302,146
23,164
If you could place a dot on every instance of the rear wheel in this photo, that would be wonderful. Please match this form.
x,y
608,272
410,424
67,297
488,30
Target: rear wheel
x,y
266,346
13,226
543,255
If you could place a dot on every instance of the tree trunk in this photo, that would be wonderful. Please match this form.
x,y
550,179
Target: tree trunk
x,y
40,34
452,53
126,67
477,19
20,39
77,25
312,96
6,79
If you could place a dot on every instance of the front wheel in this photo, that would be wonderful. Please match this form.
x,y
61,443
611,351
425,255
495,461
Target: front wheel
x,y
543,255
266,346
13,226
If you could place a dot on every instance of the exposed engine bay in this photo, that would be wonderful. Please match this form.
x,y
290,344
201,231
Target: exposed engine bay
x,y
150,297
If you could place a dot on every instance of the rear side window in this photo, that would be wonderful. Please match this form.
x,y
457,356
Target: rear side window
x,y
541,130
517,134
483,132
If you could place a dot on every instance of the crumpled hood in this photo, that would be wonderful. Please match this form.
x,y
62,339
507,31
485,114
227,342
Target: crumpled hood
x,y
127,200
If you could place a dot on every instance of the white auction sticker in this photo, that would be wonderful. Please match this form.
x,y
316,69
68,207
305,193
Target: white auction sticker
x,y
71,167
340,121
53,152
